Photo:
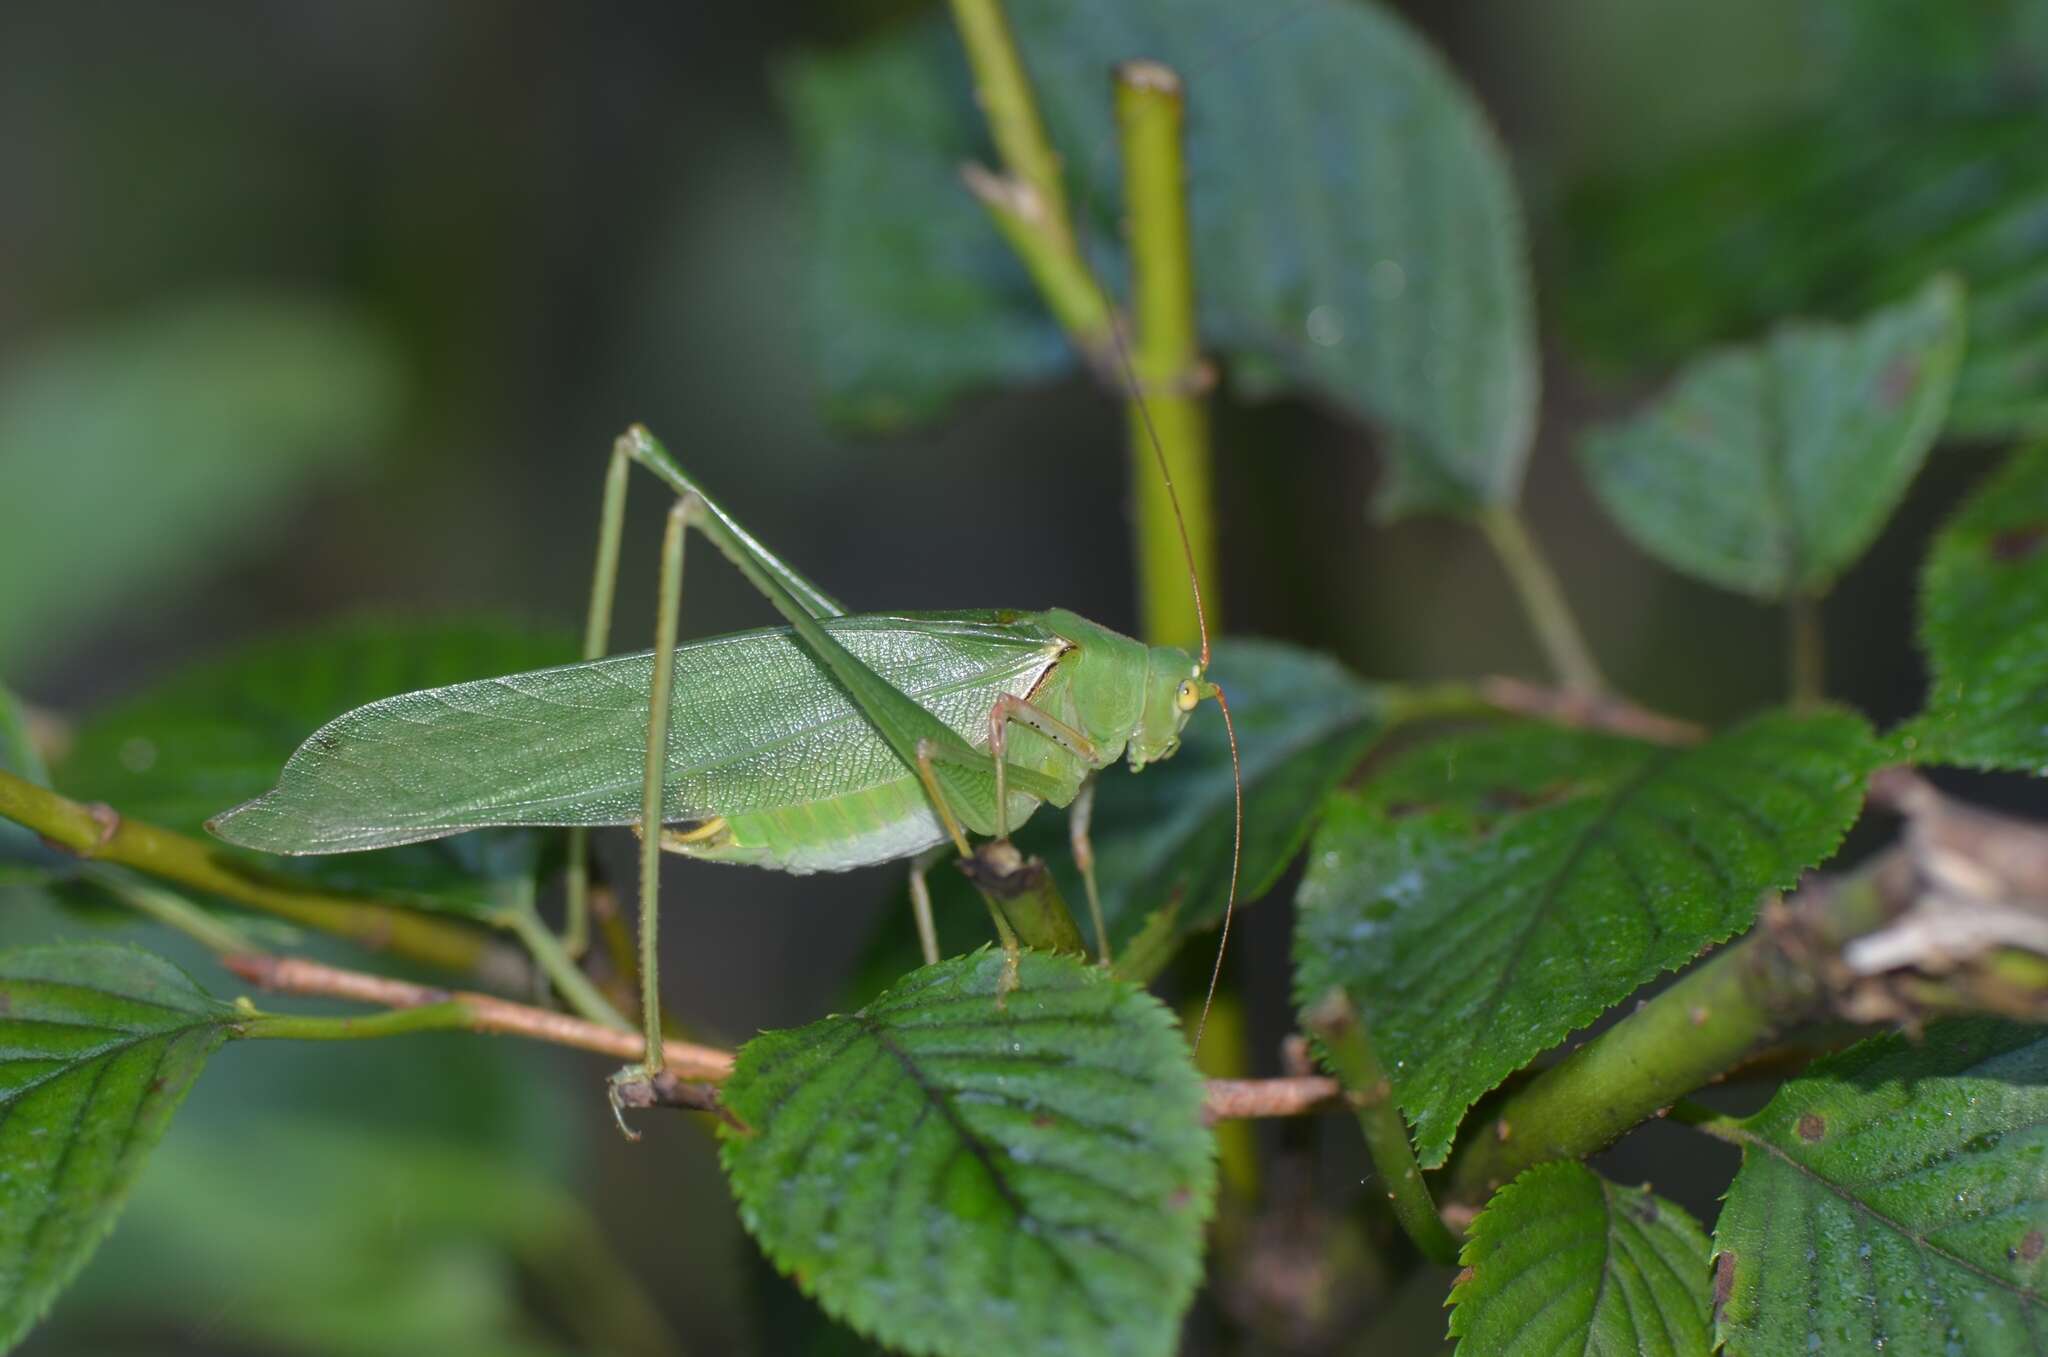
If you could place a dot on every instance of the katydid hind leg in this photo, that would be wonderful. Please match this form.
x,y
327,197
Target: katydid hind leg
x,y
1079,817
745,550
928,755
597,628
659,696
910,730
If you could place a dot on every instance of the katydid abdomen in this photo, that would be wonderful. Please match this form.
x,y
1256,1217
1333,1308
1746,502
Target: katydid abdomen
x,y
770,762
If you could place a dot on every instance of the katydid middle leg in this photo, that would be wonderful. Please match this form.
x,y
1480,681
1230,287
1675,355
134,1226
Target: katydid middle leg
x,y
921,902
1079,816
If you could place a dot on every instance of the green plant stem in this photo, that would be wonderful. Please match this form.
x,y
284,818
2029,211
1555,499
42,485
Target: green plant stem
x,y
450,1015
1543,600
100,835
1063,278
1007,101
1719,1125
551,954
1348,1052
167,908
1806,658
1682,1039
1029,201
1168,411
1677,1042
1023,899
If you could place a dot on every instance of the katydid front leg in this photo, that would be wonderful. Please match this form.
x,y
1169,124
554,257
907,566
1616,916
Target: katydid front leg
x,y
1008,709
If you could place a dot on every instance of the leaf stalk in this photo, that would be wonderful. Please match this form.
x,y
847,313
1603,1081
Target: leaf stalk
x,y
1348,1051
1543,599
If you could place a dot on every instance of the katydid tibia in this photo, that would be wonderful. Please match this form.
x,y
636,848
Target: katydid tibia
x,y
833,742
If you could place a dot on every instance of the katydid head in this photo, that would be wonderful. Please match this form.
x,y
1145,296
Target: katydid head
x,y
1174,687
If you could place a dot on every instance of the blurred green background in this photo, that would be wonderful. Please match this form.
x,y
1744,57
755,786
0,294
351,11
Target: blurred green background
x,y
314,310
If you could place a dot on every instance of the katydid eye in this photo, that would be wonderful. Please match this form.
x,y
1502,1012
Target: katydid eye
x,y
1187,699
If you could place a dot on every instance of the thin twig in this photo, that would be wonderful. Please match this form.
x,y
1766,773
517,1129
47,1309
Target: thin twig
x,y
691,1067
551,954
1289,1096
474,1012
1588,711
1543,599
1028,201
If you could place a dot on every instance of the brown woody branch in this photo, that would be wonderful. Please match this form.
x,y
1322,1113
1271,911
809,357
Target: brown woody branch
x,y
1588,710
484,1012
693,1071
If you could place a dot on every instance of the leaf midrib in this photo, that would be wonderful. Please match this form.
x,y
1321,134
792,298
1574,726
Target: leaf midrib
x,y
1594,832
938,1098
1751,1138
74,1060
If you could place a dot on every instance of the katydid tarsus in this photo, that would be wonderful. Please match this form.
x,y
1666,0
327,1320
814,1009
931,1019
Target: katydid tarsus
x,y
833,742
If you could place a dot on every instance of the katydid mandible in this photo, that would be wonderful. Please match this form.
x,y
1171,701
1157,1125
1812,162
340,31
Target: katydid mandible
x,y
836,741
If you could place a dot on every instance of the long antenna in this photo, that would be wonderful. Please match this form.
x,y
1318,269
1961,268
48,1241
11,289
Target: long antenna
x,y
1157,73
1236,855
1152,75
1137,395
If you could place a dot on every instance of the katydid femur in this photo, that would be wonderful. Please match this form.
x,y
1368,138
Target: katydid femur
x,y
834,742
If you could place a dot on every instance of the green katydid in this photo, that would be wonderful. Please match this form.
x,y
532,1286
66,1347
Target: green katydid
x,y
834,742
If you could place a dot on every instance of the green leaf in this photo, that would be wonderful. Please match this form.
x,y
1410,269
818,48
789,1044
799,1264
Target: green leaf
x,y
1408,307
1939,55
1827,218
1984,622
100,1046
944,1164
297,1234
365,1199
905,318
1493,892
216,734
1891,1200
1770,469
1561,1260
1162,837
131,452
